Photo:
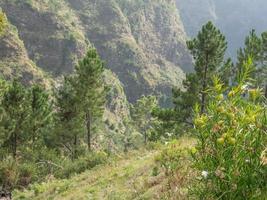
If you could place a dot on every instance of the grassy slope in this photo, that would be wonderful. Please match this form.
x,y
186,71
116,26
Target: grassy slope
x,y
128,178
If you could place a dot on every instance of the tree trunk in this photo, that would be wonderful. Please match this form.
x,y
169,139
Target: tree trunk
x,y
145,138
14,144
265,91
33,136
75,146
88,127
204,86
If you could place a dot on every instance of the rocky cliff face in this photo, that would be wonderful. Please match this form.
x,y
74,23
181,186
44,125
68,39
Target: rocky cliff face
x,y
50,32
235,18
14,60
142,42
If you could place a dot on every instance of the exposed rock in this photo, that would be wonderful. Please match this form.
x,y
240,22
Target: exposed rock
x,y
14,60
142,42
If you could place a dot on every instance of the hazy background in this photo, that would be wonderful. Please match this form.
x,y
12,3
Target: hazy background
x,y
235,18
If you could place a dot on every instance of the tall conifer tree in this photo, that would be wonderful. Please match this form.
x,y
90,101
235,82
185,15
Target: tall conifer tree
x,y
208,50
16,106
68,118
255,48
88,82
40,113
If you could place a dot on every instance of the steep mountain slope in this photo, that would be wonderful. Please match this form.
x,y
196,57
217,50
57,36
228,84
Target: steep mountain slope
x,y
14,60
50,32
15,63
234,17
143,42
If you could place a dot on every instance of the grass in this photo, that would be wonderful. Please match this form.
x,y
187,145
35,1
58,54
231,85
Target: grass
x,y
129,177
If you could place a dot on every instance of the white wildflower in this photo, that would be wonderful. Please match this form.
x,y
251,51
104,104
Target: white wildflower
x,y
245,87
205,174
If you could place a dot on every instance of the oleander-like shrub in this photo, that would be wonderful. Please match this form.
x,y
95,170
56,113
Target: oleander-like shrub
x,y
230,155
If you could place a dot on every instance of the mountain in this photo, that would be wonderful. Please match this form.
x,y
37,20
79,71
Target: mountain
x,y
142,42
235,18
14,60
16,63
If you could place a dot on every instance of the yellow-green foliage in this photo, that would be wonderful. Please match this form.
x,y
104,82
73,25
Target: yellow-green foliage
x,y
231,142
3,22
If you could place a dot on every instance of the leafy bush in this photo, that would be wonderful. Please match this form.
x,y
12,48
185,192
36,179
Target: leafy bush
x,y
232,137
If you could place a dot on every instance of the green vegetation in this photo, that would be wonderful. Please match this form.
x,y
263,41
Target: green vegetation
x,y
142,114
83,135
231,142
256,49
3,22
128,177
42,136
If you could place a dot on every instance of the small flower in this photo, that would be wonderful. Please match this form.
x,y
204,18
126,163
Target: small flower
x,y
205,174
247,161
244,87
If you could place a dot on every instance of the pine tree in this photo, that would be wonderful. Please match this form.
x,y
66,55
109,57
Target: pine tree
x,y
142,114
253,50
16,106
208,50
40,113
263,75
3,89
90,89
68,118
256,49
184,100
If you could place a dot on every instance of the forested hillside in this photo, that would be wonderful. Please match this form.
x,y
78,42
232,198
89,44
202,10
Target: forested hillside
x,y
115,99
142,42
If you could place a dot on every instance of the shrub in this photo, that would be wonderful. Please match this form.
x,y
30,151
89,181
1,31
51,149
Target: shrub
x,y
27,174
14,174
171,158
231,142
9,173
